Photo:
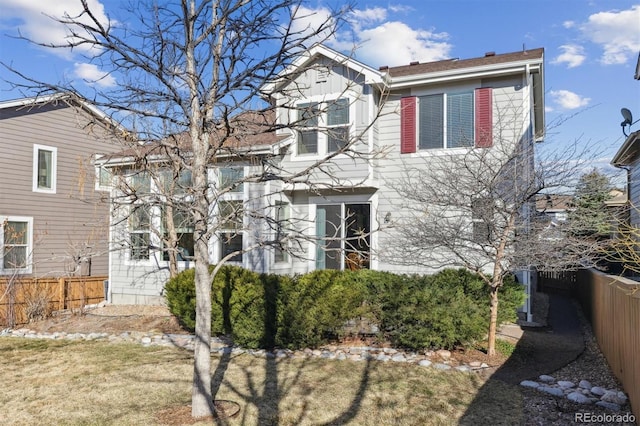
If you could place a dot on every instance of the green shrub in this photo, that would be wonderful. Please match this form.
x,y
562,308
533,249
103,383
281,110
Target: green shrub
x,y
445,310
243,304
316,306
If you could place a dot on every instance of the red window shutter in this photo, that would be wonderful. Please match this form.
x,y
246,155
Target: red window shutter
x,y
484,118
408,125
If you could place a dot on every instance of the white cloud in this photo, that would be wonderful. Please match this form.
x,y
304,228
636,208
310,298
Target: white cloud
x,y
572,54
618,32
566,99
37,19
395,43
379,40
92,75
317,25
568,24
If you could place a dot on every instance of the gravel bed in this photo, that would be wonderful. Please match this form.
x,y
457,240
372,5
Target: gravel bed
x,y
546,410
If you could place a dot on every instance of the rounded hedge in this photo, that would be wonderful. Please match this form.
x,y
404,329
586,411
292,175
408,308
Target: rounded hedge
x,y
445,310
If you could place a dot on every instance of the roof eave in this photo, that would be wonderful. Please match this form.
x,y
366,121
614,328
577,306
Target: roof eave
x,y
465,73
628,151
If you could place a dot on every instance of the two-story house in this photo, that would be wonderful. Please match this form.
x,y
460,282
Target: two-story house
x,y
53,211
394,117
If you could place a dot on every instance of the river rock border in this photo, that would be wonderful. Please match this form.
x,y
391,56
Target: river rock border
x,y
583,393
439,360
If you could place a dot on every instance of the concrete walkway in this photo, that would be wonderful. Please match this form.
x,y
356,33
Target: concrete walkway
x,y
545,350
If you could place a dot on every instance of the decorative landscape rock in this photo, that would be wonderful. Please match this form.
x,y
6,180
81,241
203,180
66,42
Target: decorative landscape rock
x,y
222,347
611,399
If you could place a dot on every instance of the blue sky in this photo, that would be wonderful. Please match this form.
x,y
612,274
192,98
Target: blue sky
x,y
591,48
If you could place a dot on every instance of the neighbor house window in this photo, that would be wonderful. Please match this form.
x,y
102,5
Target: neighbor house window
x,y
447,120
230,225
343,236
139,232
323,126
44,168
103,178
16,235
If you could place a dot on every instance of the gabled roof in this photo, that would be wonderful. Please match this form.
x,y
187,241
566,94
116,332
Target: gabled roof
x,y
55,99
371,75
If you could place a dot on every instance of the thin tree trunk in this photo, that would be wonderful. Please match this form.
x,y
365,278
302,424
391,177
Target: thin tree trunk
x,y
493,321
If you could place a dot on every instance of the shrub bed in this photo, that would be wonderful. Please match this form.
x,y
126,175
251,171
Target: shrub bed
x,y
444,310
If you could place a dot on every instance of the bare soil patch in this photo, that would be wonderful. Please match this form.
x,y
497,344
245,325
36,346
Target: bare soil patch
x,y
112,319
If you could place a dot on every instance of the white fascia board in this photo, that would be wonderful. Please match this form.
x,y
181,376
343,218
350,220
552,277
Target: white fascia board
x,y
628,151
463,74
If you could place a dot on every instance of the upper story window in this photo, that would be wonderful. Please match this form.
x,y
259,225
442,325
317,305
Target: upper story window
x,y
323,126
44,168
16,244
447,120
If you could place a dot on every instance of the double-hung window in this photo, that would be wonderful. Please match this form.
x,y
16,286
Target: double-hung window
x,y
139,232
139,220
16,242
447,120
184,226
308,117
45,160
323,126
231,224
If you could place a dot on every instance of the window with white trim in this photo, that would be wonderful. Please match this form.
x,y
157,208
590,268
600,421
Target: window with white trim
x,y
16,240
45,160
323,126
184,226
231,179
139,232
447,120
231,224
343,236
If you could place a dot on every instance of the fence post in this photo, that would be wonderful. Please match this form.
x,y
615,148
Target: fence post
x,y
61,294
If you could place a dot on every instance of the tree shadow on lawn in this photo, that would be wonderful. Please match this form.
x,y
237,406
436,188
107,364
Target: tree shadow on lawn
x,y
274,389
540,350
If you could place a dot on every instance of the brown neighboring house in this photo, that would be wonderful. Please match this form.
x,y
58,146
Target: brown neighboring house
x,y
53,214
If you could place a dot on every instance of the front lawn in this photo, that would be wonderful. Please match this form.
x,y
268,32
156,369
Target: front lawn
x,y
65,382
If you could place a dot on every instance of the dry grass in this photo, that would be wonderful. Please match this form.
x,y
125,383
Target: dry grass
x,y
58,382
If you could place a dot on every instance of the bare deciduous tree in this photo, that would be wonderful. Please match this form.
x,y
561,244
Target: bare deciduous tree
x,y
190,77
476,209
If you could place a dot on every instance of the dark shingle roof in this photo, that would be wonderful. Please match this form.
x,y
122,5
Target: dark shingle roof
x,y
454,64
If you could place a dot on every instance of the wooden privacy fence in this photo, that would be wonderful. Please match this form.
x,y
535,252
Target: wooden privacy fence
x,y
24,299
612,304
559,282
